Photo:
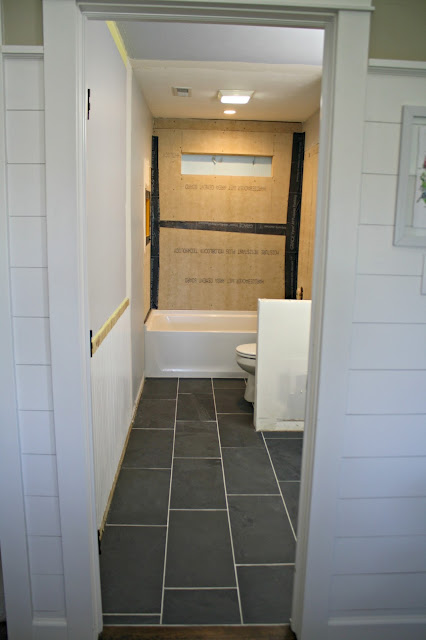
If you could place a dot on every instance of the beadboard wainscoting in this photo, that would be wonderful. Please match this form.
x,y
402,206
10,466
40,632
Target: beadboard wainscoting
x,y
111,407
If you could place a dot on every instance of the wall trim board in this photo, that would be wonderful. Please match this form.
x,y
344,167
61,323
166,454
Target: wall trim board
x,y
397,67
254,126
100,336
262,228
293,216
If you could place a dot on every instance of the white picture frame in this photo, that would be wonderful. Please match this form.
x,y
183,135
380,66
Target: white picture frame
x,y
410,219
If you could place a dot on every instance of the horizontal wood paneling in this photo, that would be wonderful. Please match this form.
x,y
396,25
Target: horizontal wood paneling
x,y
383,477
387,392
389,299
27,237
376,436
378,196
382,591
388,346
25,174
377,254
381,148
24,82
381,517
384,554
386,92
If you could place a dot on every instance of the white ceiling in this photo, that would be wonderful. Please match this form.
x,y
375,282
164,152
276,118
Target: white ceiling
x,y
282,66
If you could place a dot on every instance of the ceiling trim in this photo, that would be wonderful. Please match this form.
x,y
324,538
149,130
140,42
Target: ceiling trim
x,y
227,12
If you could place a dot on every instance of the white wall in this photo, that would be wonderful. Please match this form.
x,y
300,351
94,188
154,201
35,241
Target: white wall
x,y
141,145
379,562
106,173
111,364
26,208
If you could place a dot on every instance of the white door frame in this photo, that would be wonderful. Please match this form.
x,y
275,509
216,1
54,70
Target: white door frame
x,y
346,45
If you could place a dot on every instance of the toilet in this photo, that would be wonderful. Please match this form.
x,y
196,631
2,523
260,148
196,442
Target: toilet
x,y
246,359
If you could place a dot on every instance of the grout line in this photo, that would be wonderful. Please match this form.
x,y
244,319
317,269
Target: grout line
x,y
172,509
234,588
227,511
267,564
120,524
168,507
250,495
139,615
197,458
146,468
152,429
278,483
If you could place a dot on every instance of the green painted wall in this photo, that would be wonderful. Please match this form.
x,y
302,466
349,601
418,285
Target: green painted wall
x,y
397,27
22,22
398,30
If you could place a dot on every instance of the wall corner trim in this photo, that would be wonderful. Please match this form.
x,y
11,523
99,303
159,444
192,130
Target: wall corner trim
x,y
21,51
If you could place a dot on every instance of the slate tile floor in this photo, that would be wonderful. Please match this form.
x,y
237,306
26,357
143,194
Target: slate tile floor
x,y
201,528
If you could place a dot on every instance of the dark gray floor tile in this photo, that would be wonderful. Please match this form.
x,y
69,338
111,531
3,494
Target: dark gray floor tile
x,y
290,491
199,550
232,401
195,385
197,484
149,449
133,620
215,606
229,383
266,594
237,430
140,497
286,456
196,406
132,569
260,530
248,470
197,440
165,388
272,435
155,413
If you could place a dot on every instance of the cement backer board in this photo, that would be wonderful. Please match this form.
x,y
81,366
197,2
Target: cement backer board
x,y
211,270
221,199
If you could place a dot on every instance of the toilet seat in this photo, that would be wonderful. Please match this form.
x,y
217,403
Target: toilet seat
x,y
247,350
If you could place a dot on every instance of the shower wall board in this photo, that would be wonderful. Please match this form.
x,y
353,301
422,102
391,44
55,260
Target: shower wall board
x,y
230,265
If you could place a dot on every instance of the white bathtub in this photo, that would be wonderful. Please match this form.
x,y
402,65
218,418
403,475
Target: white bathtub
x,y
196,344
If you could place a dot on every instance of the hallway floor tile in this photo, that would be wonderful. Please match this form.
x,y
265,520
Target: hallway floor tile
x,y
201,528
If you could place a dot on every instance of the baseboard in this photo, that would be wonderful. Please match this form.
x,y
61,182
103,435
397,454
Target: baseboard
x,y
274,424
49,628
392,627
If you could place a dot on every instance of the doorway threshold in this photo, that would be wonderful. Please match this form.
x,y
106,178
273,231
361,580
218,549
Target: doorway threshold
x,y
244,632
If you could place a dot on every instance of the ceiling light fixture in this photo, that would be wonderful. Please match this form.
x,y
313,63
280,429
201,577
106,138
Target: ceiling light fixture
x,y
229,112
234,96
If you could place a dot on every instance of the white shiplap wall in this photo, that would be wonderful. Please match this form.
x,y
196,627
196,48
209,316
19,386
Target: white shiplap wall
x,y
380,554
25,149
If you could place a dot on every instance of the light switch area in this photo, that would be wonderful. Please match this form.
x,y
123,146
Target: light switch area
x,y
424,276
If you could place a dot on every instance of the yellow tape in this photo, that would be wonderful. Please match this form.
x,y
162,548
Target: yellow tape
x,y
112,26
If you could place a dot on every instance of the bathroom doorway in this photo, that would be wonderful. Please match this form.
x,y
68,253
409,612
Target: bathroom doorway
x,y
255,477
328,22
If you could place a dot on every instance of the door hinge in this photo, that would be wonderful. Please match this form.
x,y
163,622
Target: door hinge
x,y
99,542
91,345
88,104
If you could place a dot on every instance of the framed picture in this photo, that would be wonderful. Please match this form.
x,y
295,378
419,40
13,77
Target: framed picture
x,y
410,220
147,216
